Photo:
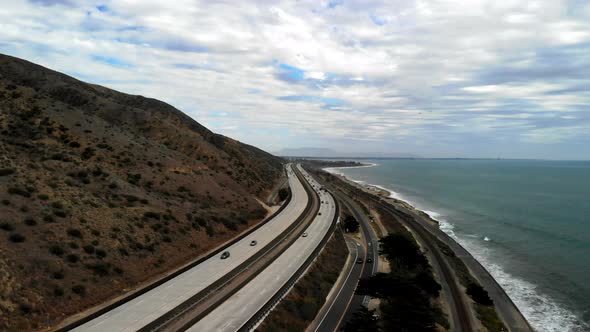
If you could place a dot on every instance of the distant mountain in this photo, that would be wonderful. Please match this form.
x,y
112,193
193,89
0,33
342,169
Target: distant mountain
x,y
101,190
329,153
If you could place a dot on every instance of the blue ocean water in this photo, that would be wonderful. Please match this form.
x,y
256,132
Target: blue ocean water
x,y
526,221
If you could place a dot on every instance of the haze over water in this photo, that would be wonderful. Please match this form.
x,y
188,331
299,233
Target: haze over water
x,y
527,222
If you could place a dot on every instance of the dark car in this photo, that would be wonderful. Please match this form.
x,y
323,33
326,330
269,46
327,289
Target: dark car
x,y
359,261
225,255
253,242
369,260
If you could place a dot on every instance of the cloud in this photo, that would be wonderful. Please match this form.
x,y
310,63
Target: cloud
x,y
430,77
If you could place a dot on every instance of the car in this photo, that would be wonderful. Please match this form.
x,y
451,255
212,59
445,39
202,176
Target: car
x,y
319,213
304,234
369,260
225,255
359,261
253,243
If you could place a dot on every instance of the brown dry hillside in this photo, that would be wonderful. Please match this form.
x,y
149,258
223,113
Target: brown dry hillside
x,y
101,190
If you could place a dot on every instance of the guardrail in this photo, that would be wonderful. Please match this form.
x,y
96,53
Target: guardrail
x,y
147,288
280,294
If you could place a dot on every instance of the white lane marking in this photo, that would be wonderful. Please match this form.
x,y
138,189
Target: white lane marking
x,y
356,254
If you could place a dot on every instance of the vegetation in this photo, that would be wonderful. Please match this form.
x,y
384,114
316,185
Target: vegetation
x,y
407,293
351,225
93,180
17,238
283,194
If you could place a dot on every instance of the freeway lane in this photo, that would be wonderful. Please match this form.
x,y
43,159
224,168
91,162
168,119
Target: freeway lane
x,y
348,303
137,313
238,309
337,306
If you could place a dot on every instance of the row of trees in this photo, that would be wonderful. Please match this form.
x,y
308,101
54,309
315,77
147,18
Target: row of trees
x,y
406,293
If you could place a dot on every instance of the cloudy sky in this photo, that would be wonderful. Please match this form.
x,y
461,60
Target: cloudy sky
x,y
440,78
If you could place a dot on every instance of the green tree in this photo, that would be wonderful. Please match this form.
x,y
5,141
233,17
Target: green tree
x,y
351,225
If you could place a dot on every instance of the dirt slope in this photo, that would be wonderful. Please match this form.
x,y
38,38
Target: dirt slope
x,y
100,190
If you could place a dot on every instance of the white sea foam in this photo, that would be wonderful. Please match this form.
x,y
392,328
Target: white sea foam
x,y
542,312
337,170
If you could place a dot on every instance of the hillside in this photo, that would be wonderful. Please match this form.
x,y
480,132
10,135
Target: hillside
x,y
101,190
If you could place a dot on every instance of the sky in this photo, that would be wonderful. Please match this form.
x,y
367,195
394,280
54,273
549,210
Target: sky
x,y
440,78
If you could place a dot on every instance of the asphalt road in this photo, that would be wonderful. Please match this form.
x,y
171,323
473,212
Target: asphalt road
x,y
371,241
239,308
137,313
339,304
346,302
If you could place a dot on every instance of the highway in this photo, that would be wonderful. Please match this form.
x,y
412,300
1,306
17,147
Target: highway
x,y
236,311
142,310
332,313
346,302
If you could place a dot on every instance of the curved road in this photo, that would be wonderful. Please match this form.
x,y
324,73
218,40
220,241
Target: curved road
x,y
232,314
346,302
137,313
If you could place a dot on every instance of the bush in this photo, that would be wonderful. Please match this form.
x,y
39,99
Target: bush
x,y
58,275
58,291
57,205
79,289
56,249
6,171
43,197
151,215
72,258
6,226
100,253
87,153
74,233
30,221
60,213
123,252
19,191
100,269
283,194
25,308
351,225
48,218
89,249
16,238
133,178
479,295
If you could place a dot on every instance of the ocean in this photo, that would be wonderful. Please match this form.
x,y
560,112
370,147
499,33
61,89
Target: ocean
x,y
526,221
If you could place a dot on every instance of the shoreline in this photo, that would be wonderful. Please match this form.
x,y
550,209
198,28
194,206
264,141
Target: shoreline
x,y
505,306
541,310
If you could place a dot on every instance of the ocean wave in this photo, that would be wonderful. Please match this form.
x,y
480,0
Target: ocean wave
x,y
542,312
336,170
